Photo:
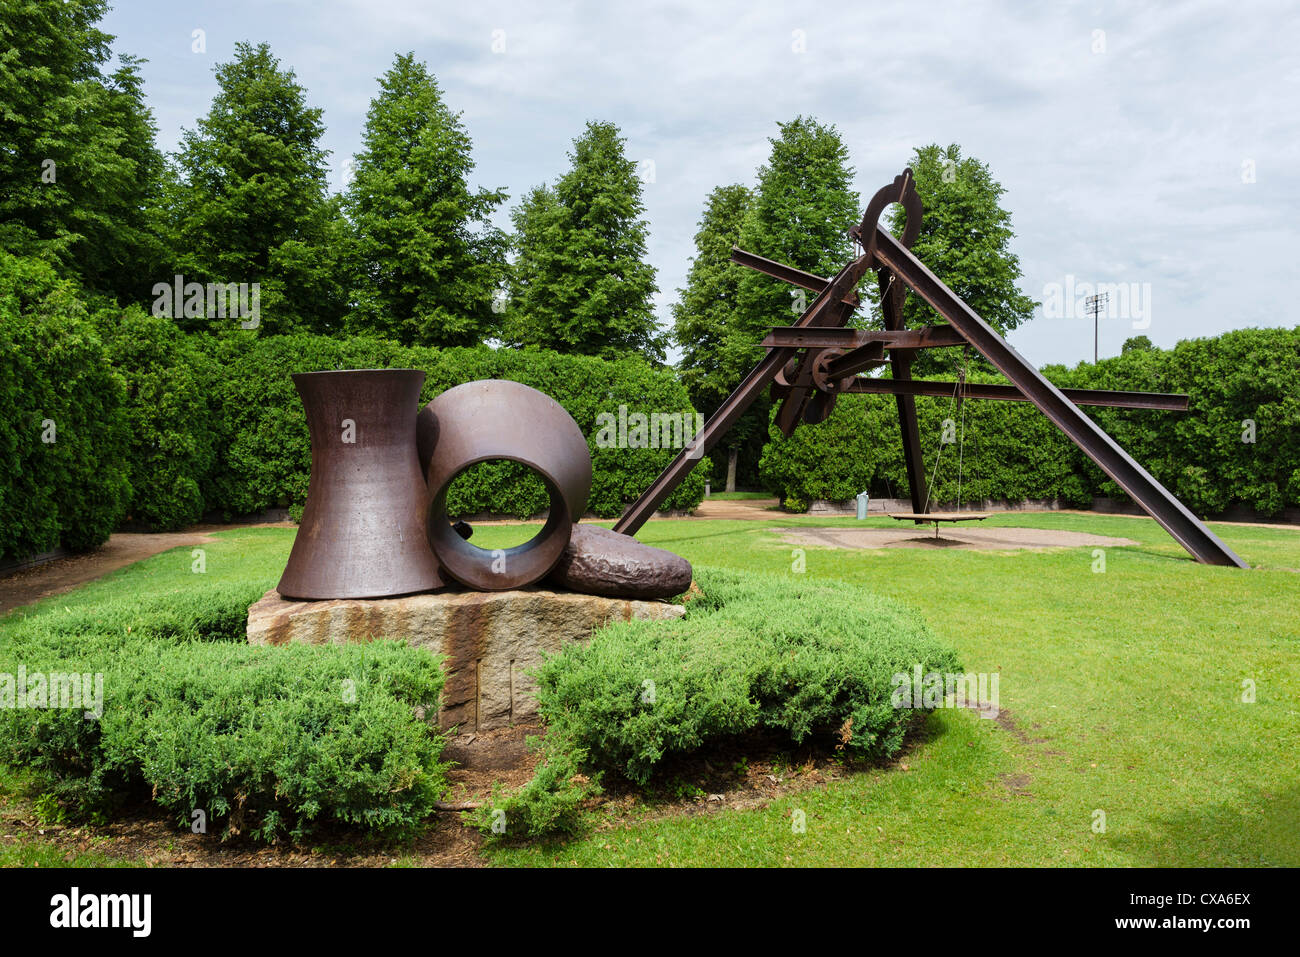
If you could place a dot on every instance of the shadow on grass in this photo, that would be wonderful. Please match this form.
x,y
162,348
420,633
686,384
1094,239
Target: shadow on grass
x,y
1262,830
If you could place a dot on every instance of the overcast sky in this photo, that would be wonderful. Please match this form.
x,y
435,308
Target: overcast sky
x,y
1138,143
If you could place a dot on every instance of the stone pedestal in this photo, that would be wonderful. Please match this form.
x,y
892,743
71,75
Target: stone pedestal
x,y
489,640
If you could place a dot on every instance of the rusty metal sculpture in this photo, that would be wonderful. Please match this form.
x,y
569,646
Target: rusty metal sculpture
x,y
376,521
362,532
812,362
497,419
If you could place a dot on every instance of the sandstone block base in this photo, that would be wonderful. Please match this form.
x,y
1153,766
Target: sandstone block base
x,y
489,640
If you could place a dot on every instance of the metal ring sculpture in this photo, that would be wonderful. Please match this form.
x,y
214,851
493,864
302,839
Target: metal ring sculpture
x,y
362,532
496,419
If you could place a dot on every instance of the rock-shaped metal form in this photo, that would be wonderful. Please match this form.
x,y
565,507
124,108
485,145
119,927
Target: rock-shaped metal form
x,y
599,561
362,533
496,419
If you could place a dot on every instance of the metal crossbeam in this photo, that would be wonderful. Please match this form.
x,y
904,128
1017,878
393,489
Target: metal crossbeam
x,y
1162,401
799,337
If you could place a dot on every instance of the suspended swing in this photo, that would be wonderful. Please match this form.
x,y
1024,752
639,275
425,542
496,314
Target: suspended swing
x,y
934,518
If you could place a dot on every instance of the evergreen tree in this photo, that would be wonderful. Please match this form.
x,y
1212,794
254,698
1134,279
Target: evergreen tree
x,y
801,217
804,208
965,240
430,263
579,282
706,311
250,204
79,162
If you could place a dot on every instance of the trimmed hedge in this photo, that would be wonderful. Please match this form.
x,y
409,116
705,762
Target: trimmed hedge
x,y
1245,375
1013,452
169,415
63,429
265,460
754,651
268,742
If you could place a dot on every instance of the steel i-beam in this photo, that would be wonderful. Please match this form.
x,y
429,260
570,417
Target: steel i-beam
x,y
1153,497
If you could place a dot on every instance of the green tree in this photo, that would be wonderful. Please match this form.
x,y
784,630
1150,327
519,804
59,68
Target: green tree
x,y
579,281
251,204
706,311
430,262
79,163
801,216
965,240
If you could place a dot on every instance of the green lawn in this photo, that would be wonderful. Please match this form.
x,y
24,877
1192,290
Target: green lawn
x,y
1121,692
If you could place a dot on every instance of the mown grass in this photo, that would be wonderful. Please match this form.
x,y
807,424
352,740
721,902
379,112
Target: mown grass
x,y
1121,693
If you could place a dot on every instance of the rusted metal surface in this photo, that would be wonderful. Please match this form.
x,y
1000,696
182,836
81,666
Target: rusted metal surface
x,y
892,296
1154,401
810,363
496,419
795,277
1155,499
599,561
831,308
796,337
362,532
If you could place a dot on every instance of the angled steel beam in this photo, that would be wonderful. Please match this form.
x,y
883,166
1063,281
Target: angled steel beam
x,y
850,363
1164,401
1153,497
795,277
826,309
892,294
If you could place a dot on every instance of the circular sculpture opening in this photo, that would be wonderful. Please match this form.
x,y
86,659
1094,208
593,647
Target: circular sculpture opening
x,y
490,420
502,488
495,569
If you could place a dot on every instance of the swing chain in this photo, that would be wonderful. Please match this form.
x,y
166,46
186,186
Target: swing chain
x,y
961,442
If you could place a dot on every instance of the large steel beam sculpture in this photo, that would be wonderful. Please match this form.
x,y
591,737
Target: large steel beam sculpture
x,y
809,364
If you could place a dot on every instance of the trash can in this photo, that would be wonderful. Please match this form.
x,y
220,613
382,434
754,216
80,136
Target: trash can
x,y
863,501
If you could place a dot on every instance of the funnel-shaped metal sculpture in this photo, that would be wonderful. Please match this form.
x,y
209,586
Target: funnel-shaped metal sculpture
x,y
362,533
497,419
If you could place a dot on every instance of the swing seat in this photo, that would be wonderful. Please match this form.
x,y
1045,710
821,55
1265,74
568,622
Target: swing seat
x,y
939,516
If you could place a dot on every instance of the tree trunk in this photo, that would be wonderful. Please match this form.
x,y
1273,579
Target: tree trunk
x,y
732,455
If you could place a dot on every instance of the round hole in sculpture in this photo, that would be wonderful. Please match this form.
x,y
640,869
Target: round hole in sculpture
x,y
515,490
498,421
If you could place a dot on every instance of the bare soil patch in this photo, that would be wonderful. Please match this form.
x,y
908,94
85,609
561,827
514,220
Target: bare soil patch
x,y
907,535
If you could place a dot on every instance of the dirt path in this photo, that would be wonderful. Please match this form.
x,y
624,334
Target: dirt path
x,y
754,509
910,536
26,585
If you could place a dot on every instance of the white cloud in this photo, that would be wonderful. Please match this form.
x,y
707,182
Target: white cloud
x,y
1119,165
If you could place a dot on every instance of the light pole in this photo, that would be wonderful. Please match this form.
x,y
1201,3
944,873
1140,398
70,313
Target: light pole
x,y
1094,304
